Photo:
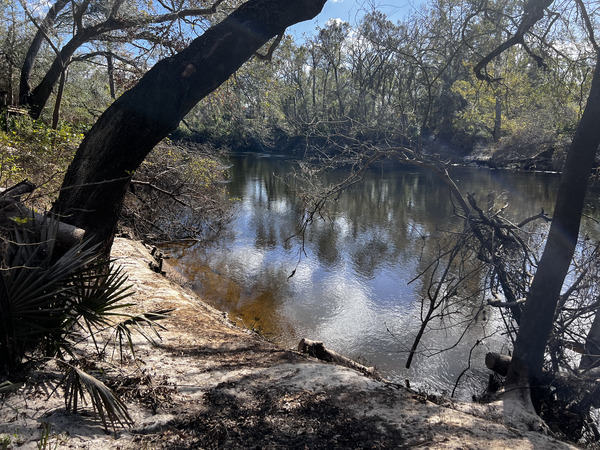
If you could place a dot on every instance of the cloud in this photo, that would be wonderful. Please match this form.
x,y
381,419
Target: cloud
x,y
336,21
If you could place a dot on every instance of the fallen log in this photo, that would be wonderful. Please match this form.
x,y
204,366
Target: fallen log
x,y
14,192
13,211
317,350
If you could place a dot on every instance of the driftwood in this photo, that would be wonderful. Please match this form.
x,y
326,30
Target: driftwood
x,y
14,192
318,350
11,208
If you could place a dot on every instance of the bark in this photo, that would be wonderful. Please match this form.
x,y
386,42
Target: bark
x,y
538,314
97,179
10,206
591,357
37,98
34,49
59,96
498,363
581,385
318,350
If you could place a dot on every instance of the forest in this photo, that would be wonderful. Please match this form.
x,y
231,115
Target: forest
x,y
116,114
411,81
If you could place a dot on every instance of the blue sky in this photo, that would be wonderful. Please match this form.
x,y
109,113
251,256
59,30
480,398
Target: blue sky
x,y
351,11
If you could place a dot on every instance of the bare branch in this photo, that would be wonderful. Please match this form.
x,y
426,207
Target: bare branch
x,y
542,215
41,28
588,24
533,12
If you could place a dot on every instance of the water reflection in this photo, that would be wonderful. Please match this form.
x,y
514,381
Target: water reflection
x,y
351,289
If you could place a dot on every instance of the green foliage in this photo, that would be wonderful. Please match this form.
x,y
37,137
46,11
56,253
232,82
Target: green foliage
x,y
46,301
86,95
44,442
402,82
244,110
32,150
536,109
139,323
4,441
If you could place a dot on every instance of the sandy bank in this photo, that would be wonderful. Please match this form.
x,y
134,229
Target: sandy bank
x,y
207,384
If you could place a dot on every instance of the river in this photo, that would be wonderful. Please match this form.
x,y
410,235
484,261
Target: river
x,y
351,286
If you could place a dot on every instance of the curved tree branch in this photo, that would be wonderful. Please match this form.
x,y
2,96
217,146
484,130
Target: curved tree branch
x,y
533,12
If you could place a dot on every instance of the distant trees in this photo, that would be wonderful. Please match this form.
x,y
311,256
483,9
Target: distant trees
x,y
402,81
13,39
412,80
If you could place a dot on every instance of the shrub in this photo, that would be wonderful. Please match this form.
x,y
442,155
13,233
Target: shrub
x,y
50,301
31,150
177,193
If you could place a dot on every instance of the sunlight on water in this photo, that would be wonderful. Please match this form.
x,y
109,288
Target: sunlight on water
x,y
246,261
351,286
342,226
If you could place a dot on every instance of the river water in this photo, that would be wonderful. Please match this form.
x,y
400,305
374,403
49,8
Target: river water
x,y
351,286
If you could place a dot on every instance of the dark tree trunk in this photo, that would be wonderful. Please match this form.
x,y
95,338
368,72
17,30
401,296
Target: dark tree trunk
x,y
96,181
111,75
498,120
33,50
538,314
59,96
36,100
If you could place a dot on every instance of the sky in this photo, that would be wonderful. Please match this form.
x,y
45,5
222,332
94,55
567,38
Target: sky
x,y
351,11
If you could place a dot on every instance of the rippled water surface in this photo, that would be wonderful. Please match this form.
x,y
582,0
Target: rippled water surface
x,y
351,286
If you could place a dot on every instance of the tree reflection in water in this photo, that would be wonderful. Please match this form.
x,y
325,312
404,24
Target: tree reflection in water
x,y
351,287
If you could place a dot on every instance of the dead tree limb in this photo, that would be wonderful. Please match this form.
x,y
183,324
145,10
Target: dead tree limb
x,y
12,210
318,350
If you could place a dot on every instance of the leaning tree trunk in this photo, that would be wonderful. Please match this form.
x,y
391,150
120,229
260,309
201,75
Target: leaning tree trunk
x,y
37,98
537,319
96,181
34,49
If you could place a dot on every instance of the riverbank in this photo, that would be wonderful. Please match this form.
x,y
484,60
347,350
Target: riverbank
x,y
534,154
208,384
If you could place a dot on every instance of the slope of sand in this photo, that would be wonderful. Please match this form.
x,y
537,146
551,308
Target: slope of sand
x,y
207,384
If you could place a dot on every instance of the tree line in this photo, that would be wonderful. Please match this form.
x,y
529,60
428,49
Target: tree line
x,y
408,81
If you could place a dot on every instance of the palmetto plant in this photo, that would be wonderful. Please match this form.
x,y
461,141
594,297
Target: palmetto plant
x,y
49,303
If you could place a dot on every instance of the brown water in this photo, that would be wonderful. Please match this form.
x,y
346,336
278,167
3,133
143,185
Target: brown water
x,y
351,287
